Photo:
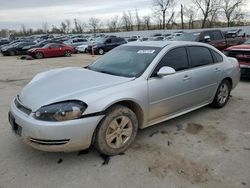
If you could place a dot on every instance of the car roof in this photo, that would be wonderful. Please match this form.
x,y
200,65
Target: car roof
x,y
162,44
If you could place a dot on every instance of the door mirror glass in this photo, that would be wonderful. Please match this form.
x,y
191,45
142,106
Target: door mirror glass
x,y
207,38
164,71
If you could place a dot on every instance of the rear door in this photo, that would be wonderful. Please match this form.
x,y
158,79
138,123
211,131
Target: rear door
x,y
205,73
170,94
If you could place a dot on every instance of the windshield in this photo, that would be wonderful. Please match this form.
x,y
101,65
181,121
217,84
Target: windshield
x,y
99,40
188,37
46,45
247,42
126,61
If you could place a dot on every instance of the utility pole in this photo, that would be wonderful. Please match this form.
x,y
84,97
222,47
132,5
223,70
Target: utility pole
x,y
182,24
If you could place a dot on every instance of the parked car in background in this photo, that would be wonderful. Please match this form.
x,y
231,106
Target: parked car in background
x,y
4,41
242,53
213,37
235,33
134,86
41,44
16,49
51,50
82,48
134,38
76,42
105,44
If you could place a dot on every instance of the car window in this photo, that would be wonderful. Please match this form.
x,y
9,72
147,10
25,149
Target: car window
x,y
108,41
54,46
200,56
176,58
217,57
216,35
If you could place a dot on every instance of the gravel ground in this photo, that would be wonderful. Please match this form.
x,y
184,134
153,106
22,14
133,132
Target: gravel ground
x,y
205,148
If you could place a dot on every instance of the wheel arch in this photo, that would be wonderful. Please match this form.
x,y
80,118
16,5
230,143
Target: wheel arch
x,y
132,105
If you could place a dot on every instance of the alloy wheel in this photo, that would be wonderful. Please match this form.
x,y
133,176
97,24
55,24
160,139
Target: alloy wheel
x,y
223,93
119,132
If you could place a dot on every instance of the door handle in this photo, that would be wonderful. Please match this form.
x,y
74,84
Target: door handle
x,y
186,77
217,69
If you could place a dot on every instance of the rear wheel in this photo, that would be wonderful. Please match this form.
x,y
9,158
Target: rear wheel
x,y
116,131
38,55
100,51
222,95
67,53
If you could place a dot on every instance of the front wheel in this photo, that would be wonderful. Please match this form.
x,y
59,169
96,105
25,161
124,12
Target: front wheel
x,y
39,55
116,131
222,95
67,53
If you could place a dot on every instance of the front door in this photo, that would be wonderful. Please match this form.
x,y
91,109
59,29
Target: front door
x,y
170,94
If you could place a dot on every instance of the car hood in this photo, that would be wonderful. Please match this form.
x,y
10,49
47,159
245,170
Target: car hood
x,y
34,49
240,47
65,84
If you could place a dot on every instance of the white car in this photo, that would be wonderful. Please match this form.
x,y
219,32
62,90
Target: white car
x,y
82,48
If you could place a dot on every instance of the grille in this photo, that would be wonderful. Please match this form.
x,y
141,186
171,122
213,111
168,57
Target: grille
x,y
240,55
49,142
21,107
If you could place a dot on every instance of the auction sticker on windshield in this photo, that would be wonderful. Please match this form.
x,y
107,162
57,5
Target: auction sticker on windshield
x,y
146,51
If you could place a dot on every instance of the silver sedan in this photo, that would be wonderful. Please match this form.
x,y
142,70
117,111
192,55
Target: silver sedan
x,y
134,86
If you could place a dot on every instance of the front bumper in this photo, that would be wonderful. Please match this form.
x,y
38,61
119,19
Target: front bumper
x,y
245,71
64,136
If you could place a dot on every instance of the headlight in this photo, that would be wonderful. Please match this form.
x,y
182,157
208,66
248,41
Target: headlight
x,y
63,111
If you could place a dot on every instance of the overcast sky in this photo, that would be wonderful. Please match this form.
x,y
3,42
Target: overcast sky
x,y
32,13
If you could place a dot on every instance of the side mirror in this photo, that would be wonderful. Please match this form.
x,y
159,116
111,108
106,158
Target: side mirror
x,y
164,71
207,39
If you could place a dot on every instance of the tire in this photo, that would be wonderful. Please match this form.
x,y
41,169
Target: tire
x,y
222,95
116,131
12,53
67,53
100,51
39,55
86,50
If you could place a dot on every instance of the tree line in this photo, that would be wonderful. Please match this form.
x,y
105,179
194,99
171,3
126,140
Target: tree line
x,y
166,14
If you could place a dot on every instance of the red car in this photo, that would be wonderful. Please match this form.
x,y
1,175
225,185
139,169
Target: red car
x,y
51,50
242,53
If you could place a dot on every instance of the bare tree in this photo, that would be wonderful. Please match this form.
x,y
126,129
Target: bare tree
x,y
45,27
231,9
94,24
182,22
23,29
190,14
162,6
146,22
206,7
138,20
63,27
68,25
172,20
127,21
79,26
113,23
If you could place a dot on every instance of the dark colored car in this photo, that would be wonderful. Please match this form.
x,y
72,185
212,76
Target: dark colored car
x,y
4,41
105,44
41,44
242,54
51,50
16,48
213,37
